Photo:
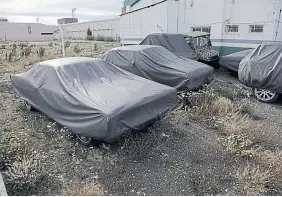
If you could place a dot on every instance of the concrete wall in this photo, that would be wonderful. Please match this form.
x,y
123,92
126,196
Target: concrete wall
x,y
20,31
218,13
201,13
107,28
182,15
137,25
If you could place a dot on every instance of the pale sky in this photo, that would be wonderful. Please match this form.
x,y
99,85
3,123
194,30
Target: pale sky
x,y
50,10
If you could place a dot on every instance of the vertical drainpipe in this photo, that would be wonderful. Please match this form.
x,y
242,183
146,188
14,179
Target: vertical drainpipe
x,y
141,24
185,10
129,36
167,17
178,17
278,24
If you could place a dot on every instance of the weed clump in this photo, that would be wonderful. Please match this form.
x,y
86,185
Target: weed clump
x,y
242,133
82,189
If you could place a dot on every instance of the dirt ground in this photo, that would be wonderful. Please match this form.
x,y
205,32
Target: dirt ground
x,y
181,155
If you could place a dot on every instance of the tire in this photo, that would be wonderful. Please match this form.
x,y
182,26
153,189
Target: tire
x,y
265,96
84,140
28,106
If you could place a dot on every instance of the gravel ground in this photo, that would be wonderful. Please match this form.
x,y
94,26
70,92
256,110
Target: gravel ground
x,y
270,114
180,159
179,156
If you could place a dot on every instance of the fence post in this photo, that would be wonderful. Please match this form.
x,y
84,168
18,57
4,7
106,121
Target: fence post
x,y
63,43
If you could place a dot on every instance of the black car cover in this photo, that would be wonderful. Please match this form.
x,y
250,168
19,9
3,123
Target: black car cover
x,y
262,68
94,98
175,43
232,61
160,65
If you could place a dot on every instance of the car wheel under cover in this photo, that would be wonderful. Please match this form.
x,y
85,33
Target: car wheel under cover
x,y
265,96
28,106
84,140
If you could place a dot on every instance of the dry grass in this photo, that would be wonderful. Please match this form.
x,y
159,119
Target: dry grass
x,y
242,134
251,181
270,161
141,145
24,171
24,174
17,58
82,189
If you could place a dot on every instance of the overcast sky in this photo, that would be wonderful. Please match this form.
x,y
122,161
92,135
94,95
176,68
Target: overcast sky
x,y
50,10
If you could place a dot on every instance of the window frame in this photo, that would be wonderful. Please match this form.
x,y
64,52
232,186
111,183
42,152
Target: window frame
x,y
228,26
201,28
254,27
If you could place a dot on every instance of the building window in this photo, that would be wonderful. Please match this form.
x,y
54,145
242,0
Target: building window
x,y
202,29
256,28
232,28
29,29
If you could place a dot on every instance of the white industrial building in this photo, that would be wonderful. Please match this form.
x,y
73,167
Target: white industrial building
x,y
25,31
233,24
106,28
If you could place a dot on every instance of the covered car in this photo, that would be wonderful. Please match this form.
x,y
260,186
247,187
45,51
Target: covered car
x,y
160,65
175,43
93,98
200,42
232,61
262,70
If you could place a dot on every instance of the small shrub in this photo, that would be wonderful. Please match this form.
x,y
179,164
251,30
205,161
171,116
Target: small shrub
x,y
237,144
76,49
27,52
14,46
67,44
14,52
270,161
225,92
90,37
10,57
23,173
89,32
250,181
95,47
22,45
41,52
221,107
82,189
100,38
109,39
246,108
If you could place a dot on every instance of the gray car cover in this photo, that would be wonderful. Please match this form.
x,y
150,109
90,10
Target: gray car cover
x,y
262,68
175,43
232,61
92,97
160,65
